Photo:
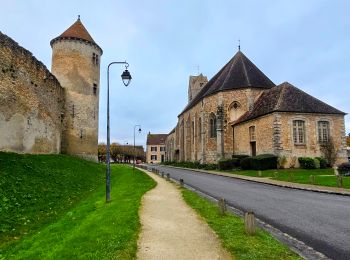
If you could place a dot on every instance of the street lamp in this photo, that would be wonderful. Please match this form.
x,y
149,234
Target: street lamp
x,y
126,77
133,167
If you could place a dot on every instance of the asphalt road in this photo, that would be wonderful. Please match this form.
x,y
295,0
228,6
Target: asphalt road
x,y
320,220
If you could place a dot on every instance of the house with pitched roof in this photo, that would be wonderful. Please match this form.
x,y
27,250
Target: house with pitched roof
x,y
155,150
241,111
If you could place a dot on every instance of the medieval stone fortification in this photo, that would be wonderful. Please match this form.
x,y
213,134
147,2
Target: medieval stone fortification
x,y
44,112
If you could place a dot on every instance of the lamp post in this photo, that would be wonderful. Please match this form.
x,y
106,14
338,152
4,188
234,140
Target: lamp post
x,y
126,77
133,167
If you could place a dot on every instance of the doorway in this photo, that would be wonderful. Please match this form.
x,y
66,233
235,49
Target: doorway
x,y
253,148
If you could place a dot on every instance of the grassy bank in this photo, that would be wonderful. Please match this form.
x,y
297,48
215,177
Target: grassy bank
x,y
230,230
55,208
322,177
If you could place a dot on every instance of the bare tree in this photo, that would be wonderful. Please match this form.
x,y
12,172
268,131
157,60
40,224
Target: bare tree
x,y
102,150
329,151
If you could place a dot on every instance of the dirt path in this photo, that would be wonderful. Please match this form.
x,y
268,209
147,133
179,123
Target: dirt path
x,y
173,230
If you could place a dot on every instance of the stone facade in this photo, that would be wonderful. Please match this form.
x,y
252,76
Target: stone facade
x,y
75,69
31,102
241,111
42,112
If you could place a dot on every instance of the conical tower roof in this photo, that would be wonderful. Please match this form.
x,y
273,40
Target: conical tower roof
x,y
238,73
76,31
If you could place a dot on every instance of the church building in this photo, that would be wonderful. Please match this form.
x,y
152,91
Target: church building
x,y
241,111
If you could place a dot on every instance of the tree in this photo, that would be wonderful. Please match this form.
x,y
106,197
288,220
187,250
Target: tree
x,y
329,151
115,151
348,140
101,151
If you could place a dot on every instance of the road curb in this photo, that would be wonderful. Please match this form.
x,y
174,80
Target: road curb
x,y
235,176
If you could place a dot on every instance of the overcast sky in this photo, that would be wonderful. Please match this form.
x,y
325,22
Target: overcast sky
x,y
306,43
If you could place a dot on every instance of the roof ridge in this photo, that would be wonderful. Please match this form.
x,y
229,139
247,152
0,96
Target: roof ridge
x,y
245,72
280,98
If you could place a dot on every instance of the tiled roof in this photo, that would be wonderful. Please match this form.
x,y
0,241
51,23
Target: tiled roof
x,y
287,98
156,139
76,31
238,73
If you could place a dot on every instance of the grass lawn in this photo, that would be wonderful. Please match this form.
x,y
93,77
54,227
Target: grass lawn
x,y
55,208
230,230
323,177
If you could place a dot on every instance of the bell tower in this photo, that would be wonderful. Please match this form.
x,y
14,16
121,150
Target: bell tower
x,y
76,61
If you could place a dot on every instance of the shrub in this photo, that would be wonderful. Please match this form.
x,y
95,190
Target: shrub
x,y
308,163
323,162
210,166
264,162
317,163
344,168
228,164
246,163
239,157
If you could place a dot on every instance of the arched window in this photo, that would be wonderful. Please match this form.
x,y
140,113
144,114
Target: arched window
x,y
235,111
199,131
212,125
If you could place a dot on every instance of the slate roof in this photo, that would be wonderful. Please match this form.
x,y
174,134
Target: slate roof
x,y
76,31
238,73
287,98
156,139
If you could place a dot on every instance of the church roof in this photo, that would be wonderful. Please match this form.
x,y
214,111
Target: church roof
x,y
76,31
287,98
156,139
238,73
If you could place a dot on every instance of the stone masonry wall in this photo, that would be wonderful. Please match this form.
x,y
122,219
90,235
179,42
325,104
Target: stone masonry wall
x,y
31,102
198,145
74,67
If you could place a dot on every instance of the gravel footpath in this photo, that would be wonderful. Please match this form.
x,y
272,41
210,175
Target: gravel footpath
x,y
173,230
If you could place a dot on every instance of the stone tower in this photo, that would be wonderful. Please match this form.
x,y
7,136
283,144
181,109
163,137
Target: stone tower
x,y
195,85
76,64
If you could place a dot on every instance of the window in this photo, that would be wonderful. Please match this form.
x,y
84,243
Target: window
x,y
153,148
94,58
94,88
323,131
200,130
212,124
299,132
154,157
193,132
235,111
252,133
162,148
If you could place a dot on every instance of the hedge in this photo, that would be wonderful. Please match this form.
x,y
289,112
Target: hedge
x,y
323,162
344,168
228,164
264,162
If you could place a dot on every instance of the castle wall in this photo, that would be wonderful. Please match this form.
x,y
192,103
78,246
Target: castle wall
x,y
79,74
31,102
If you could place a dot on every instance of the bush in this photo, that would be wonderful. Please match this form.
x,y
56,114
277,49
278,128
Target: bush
x,y
210,166
246,163
323,162
264,162
344,168
239,157
228,164
308,163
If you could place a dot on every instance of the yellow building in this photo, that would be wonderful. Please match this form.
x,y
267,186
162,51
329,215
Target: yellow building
x,y
155,152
